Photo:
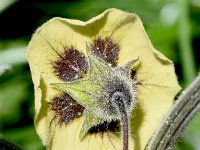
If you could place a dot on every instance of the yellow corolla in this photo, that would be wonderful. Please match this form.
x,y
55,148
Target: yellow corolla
x,y
98,84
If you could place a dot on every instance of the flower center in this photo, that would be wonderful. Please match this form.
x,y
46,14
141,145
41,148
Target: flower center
x,y
72,65
119,88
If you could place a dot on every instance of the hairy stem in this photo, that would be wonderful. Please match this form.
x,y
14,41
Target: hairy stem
x,y
184,109
125,125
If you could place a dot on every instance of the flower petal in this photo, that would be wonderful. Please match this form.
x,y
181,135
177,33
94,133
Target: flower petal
x,y
68,138
155,72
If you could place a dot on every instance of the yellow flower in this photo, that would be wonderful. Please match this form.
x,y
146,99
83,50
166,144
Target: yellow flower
x,y
74,64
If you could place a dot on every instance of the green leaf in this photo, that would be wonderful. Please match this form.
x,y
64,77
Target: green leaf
x,y
97,65
89,121
83,91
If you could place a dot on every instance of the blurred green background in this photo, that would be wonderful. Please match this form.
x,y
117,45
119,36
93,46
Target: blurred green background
x,y
172,25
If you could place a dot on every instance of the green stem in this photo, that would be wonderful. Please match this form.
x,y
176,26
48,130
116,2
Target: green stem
x,y
187,57
184,109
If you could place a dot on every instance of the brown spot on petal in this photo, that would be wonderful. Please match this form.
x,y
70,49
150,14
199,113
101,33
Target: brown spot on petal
x,y
66,108
71,65
104,127
106,49
133,74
